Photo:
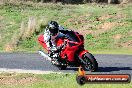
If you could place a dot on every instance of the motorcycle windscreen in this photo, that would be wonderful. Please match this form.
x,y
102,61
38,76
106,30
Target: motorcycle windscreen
x,y
70,35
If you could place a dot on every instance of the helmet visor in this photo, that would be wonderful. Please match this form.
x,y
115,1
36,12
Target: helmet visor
x,y
53,31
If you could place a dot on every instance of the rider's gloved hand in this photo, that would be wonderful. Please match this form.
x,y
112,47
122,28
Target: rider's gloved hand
x,y
57,49
62,46
53,49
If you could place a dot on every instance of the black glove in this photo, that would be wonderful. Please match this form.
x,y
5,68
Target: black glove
x,y
58,49
53,49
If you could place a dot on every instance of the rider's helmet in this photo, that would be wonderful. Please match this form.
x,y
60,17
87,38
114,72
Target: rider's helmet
x,y
53,28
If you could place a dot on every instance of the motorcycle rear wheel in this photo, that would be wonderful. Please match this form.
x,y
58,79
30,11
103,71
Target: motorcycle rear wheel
x,y
90,62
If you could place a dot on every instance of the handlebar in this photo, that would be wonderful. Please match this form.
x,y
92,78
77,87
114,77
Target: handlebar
x,y
59,48
63,46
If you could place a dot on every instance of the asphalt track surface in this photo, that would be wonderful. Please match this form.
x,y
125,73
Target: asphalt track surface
x,y
108,64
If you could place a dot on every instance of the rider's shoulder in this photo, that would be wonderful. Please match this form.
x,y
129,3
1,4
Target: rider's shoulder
x,y
61,27
46,31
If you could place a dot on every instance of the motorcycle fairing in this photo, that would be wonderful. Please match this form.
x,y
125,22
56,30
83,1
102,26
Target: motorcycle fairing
x,y
74,41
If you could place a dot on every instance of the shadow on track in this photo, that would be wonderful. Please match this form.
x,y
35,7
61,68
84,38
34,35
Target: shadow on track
x,y
103,69
72,68
110,69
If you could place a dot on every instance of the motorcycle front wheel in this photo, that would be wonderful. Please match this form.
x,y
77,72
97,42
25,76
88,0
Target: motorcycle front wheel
x,y
90,62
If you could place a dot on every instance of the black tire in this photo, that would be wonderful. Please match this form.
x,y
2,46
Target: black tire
x,y
81,80
90,62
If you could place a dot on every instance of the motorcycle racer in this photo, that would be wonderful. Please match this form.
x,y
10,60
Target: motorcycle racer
x,y
50,35
66,48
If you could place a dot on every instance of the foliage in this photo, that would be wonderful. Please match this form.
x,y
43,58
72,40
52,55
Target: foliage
x,y
92,18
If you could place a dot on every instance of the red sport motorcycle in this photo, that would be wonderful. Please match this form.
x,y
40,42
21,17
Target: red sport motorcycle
x,y
72,53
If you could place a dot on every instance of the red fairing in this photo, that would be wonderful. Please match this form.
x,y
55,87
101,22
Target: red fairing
x,y
75,45
41,41
59,42
82,53
68,51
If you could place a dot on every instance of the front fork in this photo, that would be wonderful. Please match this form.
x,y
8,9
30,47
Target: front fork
x,y
83,52
80,56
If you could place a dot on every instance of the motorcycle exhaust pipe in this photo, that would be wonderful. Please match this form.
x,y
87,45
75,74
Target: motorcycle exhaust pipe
x,y
44,55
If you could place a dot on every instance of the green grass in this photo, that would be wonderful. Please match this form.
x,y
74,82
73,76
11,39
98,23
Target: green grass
x,y
106,40
12,14
112,51
54,81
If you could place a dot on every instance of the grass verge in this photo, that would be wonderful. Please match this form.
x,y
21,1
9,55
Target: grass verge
x,y
13,80
105,27
112,51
